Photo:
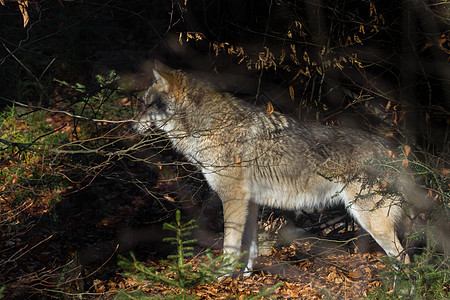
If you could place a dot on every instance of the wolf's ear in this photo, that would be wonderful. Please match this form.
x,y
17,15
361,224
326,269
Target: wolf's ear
x,y
161,80
163,77
160,66
166,79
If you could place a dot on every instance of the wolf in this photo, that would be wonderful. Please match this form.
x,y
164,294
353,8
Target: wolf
x,y
252,156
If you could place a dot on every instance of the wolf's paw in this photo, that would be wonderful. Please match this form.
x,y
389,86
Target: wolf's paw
x,y
235,273
247,272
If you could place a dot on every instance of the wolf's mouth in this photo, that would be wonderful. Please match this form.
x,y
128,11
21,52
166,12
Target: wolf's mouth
x,y
144,126
154,122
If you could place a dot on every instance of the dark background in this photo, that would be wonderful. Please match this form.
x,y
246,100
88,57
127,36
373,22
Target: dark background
x,y
377,65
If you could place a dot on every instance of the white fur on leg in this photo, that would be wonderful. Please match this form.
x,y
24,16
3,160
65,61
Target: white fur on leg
x,y
250,239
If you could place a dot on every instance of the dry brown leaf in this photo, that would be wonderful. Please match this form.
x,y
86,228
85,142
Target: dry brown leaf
x,y
405,162
291,92
269,108
391,154
98,286
388,105
352,275
23,7
226,280
332,276
293,294
407,150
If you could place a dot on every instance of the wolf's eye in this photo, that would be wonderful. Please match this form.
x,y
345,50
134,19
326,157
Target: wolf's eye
x,y
158,103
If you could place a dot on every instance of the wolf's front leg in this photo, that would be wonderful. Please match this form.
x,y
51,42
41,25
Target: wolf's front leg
x,y
236,205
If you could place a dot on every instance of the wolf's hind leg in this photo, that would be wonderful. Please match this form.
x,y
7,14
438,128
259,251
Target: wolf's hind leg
x,y
250,240
380,223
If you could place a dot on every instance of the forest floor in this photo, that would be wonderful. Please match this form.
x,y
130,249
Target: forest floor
x,y
70,249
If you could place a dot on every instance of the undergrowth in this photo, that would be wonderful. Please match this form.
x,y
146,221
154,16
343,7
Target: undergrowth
x,y
428,277
178,271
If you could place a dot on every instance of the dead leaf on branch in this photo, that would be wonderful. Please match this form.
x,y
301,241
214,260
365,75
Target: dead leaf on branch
x,y
407,150
291,92
270,108
23,7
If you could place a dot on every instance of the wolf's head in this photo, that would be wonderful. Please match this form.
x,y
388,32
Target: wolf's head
x,y
159,105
